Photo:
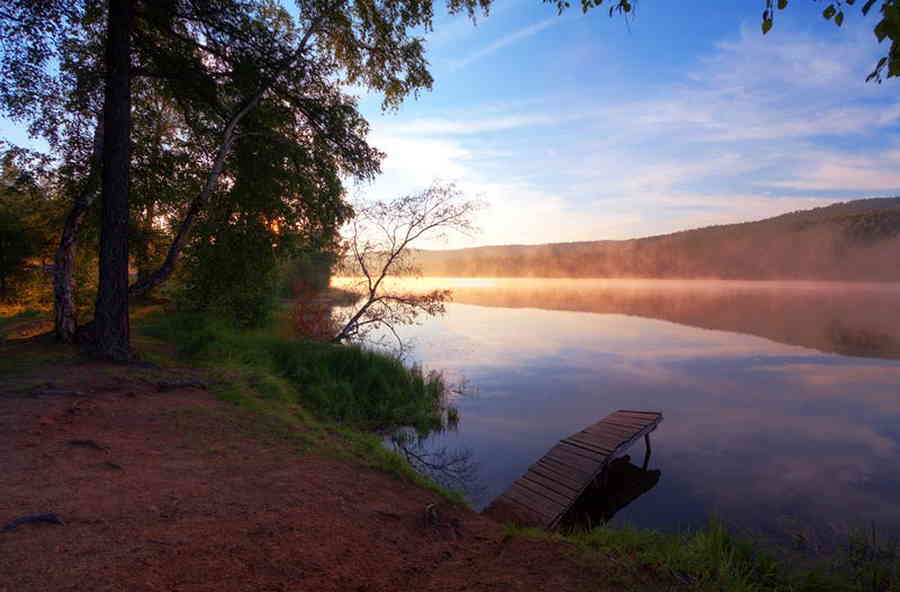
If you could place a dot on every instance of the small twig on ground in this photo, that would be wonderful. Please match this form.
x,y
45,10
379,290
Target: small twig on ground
x,y
88,444
171,386
56,393
49,518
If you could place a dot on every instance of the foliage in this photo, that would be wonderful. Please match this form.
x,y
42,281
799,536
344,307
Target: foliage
x,y
712,558
28,212
15,248
307,271
350,385
378,245
230,274
706,559
886,28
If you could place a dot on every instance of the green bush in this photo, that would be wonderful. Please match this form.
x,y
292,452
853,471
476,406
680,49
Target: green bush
x,y
230,274
346,384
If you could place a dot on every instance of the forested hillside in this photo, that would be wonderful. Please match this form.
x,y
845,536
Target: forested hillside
x,y
856,240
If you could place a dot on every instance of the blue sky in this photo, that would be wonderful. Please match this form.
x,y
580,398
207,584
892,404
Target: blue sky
x,y
582,127
585,127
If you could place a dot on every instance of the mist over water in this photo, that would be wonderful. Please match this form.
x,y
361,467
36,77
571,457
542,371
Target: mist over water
x,y
781,400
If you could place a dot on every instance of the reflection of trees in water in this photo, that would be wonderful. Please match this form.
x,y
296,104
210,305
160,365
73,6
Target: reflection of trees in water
x,y
849,319
453,468
622,483
851,341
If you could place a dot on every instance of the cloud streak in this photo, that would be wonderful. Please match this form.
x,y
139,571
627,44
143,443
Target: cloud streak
x,y
753,129
505,41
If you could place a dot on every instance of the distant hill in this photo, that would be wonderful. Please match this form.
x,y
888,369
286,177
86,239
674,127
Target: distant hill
x,y
855,240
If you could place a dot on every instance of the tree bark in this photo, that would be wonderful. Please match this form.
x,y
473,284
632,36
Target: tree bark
x,y
64,306
111,326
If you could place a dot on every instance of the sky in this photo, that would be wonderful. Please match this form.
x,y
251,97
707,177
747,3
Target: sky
x,y
585,127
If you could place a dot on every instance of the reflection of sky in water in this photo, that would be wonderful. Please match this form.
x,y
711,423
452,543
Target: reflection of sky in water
x,y
771,437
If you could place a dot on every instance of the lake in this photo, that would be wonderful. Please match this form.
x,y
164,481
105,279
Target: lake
x,y
781,399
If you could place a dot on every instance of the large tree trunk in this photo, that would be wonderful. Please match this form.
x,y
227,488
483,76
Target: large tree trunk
x,y
64,306
111,328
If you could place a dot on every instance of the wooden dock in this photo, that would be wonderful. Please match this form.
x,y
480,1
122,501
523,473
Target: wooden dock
x,y
542,495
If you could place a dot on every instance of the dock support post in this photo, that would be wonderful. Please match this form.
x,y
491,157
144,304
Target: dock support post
x,y
647,451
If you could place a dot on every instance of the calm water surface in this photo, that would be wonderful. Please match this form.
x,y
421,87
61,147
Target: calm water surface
x,y
781,400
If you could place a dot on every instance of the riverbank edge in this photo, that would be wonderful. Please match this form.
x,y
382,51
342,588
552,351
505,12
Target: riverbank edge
x,y
632,559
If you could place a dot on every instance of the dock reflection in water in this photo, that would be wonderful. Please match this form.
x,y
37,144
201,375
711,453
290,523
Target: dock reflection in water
x,y
623,483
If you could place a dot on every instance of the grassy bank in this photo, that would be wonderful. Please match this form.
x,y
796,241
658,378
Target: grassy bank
x,y
328,393
714,559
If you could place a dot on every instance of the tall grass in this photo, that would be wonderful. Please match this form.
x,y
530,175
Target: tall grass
x,y
706,559
346,384
714,559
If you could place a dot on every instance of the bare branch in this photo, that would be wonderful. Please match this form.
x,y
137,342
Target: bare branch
x,y
380,240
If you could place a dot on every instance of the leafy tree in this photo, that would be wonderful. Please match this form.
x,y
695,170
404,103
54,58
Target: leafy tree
x,y
28,212
15,247
886,28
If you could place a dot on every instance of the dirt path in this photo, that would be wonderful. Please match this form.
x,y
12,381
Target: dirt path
x,y
161,491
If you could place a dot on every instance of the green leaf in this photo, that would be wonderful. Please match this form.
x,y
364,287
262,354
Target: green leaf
x,y
839,18
782,4
829,11
867,6
766,26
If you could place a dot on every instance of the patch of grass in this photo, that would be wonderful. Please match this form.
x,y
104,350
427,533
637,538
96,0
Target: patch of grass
x,y
333,395
14,318
713,559
368,449
349,385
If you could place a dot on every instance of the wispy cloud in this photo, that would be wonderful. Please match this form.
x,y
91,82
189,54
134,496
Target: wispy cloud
x,y
505,41
467,125
753,129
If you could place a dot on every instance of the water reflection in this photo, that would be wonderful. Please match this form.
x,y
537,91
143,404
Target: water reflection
x,y
854,319
453,468
622,483
765,433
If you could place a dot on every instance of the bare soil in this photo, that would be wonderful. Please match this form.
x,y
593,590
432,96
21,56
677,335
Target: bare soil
x,y
171,491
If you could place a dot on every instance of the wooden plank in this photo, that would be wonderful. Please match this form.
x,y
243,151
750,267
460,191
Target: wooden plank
x,y
631,422
563,496
587,453
564,500
611,432
582,472
553,473
545,506
610,435
632,411
570,455
570,492
569,458
617,425
551,483
556,480
600,438
534,507
560,472
588,444
566,467
626,424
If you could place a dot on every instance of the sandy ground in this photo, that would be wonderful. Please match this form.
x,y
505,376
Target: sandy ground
x,y
168,491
